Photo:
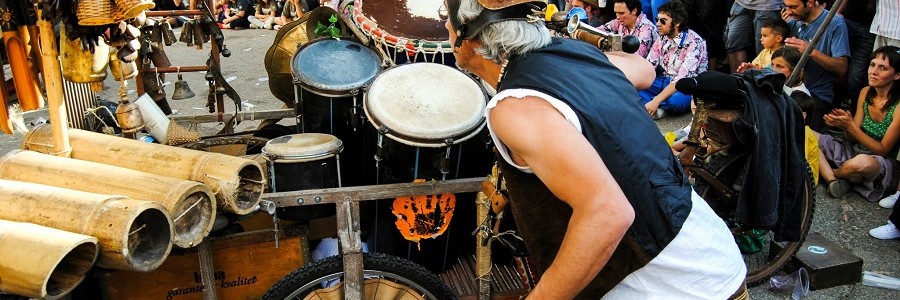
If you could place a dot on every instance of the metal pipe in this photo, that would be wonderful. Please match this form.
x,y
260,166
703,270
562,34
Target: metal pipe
x,y
795,75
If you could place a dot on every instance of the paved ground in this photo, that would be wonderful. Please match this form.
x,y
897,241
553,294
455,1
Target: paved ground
x,y
844,220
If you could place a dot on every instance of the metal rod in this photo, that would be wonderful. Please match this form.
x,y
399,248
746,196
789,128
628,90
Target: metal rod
x,y
239,116
373,192
795,75
175,13
176,69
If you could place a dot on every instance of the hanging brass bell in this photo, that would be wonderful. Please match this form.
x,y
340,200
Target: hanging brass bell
x,y
129,117
182,90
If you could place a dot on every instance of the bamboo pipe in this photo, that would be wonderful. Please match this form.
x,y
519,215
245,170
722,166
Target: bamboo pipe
x,y
26,84
237,182
190,203
133,235
43,262
53,84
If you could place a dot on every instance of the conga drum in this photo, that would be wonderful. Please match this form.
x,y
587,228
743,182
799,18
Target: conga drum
x,y
303,161
332,73
408,31
426,120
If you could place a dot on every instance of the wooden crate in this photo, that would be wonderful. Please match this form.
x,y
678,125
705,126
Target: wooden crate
x,y
827,263
246,265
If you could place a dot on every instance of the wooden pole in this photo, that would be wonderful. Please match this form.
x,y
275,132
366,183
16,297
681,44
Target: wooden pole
x,y
53,84
42,262
133,235
190,203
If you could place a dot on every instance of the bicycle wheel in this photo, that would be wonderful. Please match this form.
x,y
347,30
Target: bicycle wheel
x,y
386,277
767,260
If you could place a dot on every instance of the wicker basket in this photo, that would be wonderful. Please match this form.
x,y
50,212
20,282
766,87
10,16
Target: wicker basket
x,y
128,9
94,12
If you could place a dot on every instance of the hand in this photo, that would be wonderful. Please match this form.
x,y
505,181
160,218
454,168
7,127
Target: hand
x,y
785,15
745,66
651,106
839,118
799,44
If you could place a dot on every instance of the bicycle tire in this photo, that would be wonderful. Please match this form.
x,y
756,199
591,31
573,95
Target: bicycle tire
x,y
300,283
762,264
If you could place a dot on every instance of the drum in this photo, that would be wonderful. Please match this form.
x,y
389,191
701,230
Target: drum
x,y
334,68
303,161
408,30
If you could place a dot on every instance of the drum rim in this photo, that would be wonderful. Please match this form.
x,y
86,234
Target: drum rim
x,y
333,151
327,91
372,29
420,141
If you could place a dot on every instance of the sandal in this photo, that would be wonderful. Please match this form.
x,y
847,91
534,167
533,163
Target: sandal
x,y
838,187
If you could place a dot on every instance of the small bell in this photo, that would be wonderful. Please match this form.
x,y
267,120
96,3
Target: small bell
x,y
128,114
167,34
156,33
182,90
187,33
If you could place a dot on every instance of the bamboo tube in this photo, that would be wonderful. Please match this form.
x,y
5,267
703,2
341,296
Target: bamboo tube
x,y
133,235
237,182
30,97
190,203
43,262
53,84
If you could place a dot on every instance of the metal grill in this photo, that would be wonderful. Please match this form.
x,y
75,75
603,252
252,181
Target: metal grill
x,y
79,98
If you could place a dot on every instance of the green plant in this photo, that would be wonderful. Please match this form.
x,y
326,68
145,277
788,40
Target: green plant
x,y
331,30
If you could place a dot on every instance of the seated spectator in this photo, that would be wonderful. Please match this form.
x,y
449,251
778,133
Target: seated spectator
x,y
237,15
172,5
828,60
744,25
771,37
807,105
264,18
293,10
678,53
862,161
784,61
630,21
593,9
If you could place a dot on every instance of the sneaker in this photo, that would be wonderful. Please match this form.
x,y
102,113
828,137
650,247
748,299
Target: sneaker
x,y
660,113
888,202
253,26
885,232
838,187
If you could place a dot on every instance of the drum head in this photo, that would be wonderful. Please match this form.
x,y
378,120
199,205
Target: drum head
x,y
426,105
302,147
411,19
334,68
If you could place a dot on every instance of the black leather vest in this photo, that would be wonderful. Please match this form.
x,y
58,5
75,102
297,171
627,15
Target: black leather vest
x,y
614,121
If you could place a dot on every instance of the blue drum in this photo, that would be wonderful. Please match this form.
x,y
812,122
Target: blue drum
x,y
332,74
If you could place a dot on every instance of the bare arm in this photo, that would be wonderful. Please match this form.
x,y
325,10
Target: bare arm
x,y
570,167
836,65
637,69
854,130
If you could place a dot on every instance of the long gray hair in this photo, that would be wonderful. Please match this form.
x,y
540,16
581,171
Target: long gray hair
x,y
504,39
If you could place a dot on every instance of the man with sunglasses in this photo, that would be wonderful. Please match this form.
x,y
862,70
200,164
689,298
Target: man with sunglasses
x,y
830,57
602,205
677,53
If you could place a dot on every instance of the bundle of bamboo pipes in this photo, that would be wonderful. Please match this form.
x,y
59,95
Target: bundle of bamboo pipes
x,y
133,235
237,183
190,203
